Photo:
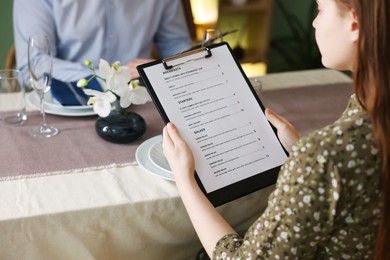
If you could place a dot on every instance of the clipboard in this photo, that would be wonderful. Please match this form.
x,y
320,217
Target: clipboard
x,y
207,95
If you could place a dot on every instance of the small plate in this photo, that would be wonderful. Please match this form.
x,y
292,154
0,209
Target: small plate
x,y
33,101
143,159
157,157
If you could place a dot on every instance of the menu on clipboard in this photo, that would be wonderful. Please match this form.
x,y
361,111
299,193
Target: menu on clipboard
x,y
206,94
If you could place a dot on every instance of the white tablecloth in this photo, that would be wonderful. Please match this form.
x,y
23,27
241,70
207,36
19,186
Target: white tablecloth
x,y
116,212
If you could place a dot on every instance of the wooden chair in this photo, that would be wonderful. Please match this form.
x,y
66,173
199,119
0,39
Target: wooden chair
x,y
189,18
10,62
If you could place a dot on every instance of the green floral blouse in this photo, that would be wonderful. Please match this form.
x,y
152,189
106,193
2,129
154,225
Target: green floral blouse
x,y
326,203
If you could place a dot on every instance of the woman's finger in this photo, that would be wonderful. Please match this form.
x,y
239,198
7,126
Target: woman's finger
x,y
167,141
275,119
173,133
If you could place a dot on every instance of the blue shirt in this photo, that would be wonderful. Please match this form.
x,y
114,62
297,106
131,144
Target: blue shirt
x,y
115,30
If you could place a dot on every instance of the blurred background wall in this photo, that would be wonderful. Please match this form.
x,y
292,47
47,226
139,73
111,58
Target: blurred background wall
x,y
292,42
6,32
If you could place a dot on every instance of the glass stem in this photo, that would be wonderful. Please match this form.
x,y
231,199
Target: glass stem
x,y
43,122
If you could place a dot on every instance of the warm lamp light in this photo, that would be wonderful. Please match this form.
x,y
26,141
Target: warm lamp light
x,y
254,69
205,13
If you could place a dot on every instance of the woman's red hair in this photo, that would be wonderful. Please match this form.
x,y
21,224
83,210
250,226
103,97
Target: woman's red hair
x,y
371,76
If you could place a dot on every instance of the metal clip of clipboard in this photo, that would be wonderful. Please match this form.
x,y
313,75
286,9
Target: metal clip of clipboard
x,y
184,54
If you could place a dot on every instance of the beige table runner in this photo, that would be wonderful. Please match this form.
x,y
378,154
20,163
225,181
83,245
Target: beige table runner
x,y
78,147
309,108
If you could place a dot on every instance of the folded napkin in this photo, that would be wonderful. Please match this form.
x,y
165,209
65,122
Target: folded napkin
x,y
68,94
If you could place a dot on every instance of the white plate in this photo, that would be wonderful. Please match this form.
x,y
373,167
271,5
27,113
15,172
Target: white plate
x,y
33,101
142,157
157,157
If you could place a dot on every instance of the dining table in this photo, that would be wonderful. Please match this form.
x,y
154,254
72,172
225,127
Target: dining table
x,y
77,196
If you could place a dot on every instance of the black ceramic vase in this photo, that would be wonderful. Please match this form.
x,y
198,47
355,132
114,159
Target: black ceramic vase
x,y
120,126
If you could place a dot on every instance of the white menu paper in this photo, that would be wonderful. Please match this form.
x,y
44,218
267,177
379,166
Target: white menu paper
x,y
216,112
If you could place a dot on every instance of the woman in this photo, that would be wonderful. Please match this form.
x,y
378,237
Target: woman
x,y
332,198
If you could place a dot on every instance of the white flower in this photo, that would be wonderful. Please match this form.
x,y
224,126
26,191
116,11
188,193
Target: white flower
x,y
306,199
284,235
294,250
138,95
297,229
117,84
101,101
117,77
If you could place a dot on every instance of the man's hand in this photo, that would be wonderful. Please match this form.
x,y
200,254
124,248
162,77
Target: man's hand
x,y
133,66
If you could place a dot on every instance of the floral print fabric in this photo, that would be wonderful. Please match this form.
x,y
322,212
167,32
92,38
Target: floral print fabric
x,y
326,202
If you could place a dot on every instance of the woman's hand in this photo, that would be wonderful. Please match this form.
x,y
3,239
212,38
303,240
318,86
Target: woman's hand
x,y
178,154
287,133
208,223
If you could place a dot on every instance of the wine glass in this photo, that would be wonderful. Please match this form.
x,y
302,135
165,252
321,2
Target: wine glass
x,y
40,66
211,36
